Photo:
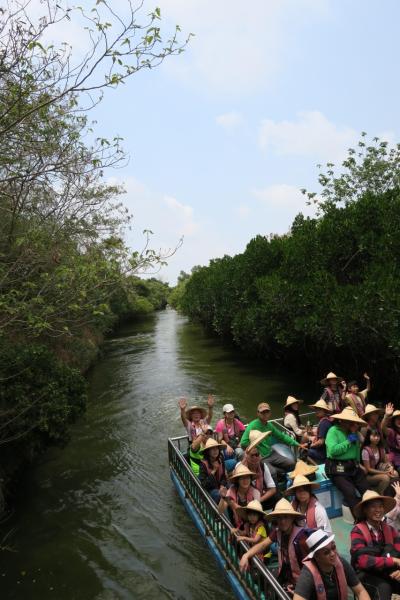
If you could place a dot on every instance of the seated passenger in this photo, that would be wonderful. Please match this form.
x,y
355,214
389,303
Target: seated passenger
x,y
334,391
326,574
393,438
240,493
304,502
263,479
196,454
275,461
343,456
230,431
212,473
317,449
292,419
380,472
254,529
291,547
375,545
194,417
371,417
356,399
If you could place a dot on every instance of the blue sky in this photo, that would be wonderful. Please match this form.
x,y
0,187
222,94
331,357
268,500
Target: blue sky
x,y
222,137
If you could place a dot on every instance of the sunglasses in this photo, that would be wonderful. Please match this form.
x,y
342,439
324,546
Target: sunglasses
x,y
262,412
327,551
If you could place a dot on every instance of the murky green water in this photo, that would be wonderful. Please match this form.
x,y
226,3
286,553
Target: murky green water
x,y
100,519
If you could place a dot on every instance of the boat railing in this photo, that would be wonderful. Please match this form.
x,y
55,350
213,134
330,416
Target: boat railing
x,y
258,582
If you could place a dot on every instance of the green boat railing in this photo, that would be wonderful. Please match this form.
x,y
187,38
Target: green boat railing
x,y
258,582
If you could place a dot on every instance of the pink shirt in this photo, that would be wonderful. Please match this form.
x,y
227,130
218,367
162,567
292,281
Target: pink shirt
x,y
221,425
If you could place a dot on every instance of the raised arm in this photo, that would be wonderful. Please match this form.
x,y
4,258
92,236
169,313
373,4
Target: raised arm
x,y
183,406
368,380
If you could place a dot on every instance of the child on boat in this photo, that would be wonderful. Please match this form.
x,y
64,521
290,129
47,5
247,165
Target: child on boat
x,y
195,417
380,472
304,502
240,493
254,526
356,399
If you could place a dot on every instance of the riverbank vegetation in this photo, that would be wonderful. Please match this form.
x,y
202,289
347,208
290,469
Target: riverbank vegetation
x,y
66,274
327,294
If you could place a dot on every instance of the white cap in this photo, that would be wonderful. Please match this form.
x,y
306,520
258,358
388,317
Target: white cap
x,y
228,408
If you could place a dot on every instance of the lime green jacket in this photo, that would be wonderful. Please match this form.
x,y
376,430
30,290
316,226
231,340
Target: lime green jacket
x,y
339,447
265,445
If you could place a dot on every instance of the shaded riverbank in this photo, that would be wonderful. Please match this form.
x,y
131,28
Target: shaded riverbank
x,y
100,519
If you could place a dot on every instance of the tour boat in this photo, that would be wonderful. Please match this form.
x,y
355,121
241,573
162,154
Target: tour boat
x,y
258,583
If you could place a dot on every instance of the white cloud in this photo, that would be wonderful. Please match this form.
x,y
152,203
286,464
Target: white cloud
x,y
230,120
312,134
238,48
283,202
169,219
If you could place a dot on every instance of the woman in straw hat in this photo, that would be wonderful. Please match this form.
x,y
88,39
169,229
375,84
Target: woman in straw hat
x,y
375,545
263,480
290,540
326,574
240,493
254,528
306,503
292,419
194,417
334,391
392,431
317,449
212,473
343,456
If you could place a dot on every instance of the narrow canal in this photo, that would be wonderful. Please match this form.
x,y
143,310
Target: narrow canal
x,y
100,518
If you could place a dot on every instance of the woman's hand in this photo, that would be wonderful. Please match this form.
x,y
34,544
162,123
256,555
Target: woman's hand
x,y
244,563
366,377
182,403
389,409
223,492
396,487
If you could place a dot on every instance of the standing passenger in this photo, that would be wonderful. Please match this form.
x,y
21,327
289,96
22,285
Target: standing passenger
x,y
334,391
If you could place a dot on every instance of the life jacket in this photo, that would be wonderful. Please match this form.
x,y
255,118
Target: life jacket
x,y
394,447
320,423
233,441
294,558
309,517
340,577
357,403
334,399
195,459
372,459
219,475
233,493
387,531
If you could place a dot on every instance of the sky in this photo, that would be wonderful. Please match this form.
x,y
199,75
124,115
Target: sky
x,y
222,137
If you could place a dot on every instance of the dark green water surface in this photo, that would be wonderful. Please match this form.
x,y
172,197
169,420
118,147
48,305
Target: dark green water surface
x,y
100,519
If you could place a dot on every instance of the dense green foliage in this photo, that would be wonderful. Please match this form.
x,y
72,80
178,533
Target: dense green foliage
x,y
66,274
327,294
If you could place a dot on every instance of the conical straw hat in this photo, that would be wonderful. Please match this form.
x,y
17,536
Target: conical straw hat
x,y
253,506
189,411
370,408
348,414
283,508
302,468
300,481
256,437
331,376
322,405
292,400
241,471
211,443
388,503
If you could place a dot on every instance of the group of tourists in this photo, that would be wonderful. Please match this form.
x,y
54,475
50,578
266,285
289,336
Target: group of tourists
x,y
245,472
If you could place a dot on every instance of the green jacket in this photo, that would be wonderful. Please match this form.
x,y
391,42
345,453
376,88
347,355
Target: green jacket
x,y
339,447
265,445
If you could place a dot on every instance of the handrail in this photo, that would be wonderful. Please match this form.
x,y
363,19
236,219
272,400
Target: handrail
x,y
259,582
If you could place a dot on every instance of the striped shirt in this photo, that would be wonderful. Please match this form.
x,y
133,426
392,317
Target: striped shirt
x,y
365,562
